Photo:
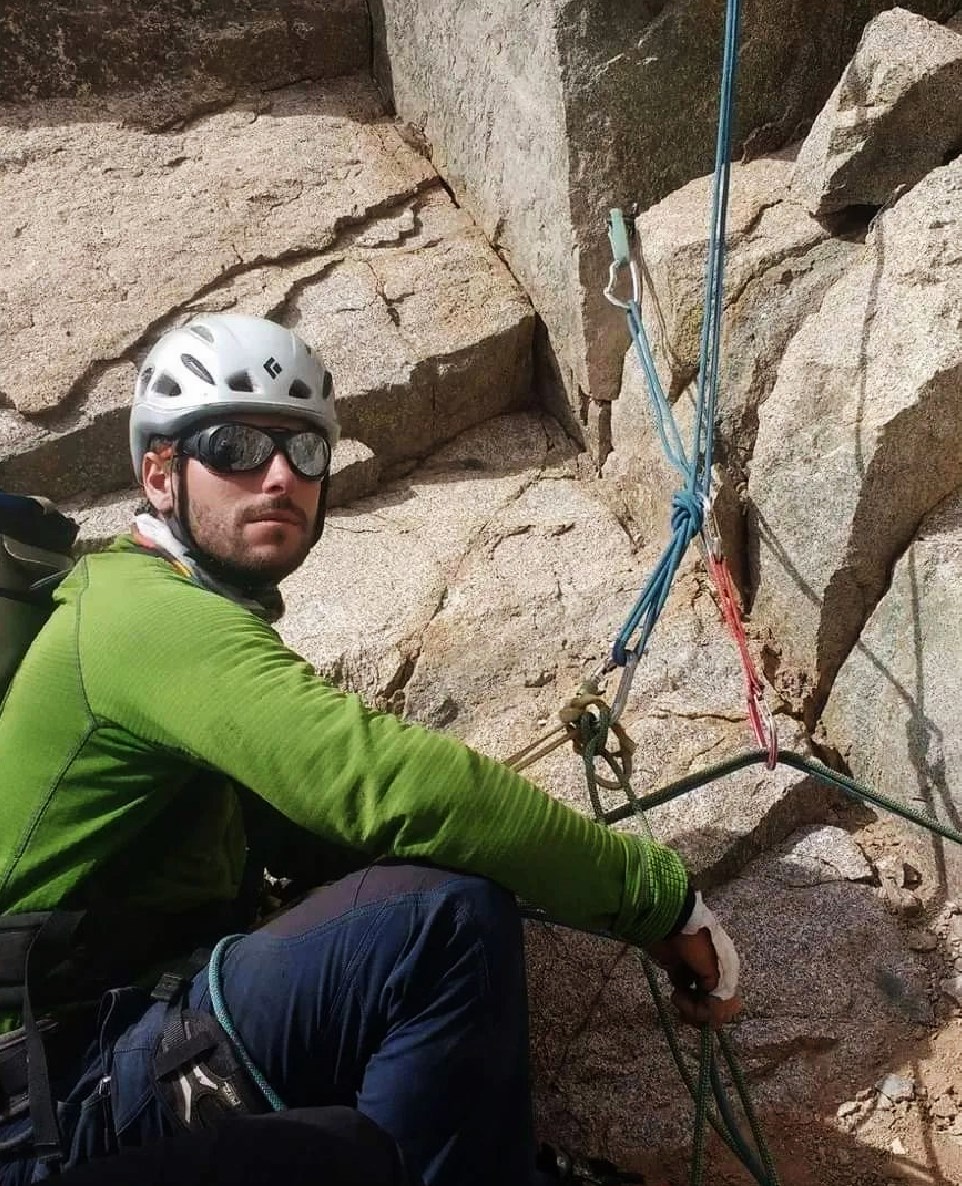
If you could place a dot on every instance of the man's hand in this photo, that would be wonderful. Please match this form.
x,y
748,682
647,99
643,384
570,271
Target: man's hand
x,y
703,965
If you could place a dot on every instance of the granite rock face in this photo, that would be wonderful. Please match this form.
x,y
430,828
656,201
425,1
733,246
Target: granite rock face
x,y
780,262
838,426
893,714
95,46
895,115
861,436
543,116
838,431
330,223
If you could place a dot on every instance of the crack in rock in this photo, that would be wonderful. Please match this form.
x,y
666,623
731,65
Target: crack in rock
x,y
70,412
581,1026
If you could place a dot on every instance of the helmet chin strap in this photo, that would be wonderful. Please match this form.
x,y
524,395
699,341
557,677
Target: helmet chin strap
x,y
321,509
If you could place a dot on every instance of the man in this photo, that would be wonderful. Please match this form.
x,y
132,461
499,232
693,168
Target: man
x,y
160,744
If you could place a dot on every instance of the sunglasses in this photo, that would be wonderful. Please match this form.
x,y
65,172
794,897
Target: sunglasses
x,y
242,448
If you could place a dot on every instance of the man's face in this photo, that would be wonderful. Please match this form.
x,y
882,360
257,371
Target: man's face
x,y
260,523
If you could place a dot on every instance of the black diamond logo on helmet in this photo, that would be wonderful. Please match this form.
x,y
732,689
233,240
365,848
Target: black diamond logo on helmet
x,y
273,367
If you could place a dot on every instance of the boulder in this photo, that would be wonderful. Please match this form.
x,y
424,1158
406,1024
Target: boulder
x,y
859,439
819,855
780,263
895,115
104,45
330,223
893,714
543,116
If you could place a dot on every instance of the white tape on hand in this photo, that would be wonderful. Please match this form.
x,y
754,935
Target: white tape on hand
x,y
729,964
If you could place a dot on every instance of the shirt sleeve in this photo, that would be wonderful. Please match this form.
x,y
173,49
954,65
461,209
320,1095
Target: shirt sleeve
x,y
186,670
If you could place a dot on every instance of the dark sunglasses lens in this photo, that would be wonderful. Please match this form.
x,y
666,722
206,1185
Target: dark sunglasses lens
x,y
308,453
237,448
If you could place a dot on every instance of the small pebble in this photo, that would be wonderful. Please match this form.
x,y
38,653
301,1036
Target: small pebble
x,y
847,1109
897,1088
898,1148
921,941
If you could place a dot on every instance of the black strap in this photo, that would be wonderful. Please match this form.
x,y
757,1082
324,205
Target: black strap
x,y
26,519
31,944
177,1050
36,597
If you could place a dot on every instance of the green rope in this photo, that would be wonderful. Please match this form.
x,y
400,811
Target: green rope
x,y
842,782
593,732
745,1099
721,1121
762,1167
705,1059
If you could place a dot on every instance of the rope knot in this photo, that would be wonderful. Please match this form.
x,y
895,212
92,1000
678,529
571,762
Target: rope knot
x,y
687,515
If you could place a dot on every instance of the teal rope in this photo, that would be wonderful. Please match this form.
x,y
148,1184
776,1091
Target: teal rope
x,y
222,1013
695,469
703,430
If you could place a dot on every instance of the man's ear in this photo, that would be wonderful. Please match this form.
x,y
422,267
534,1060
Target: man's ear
x,y
157,479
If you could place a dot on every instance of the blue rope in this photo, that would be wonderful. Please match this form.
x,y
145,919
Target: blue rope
x,y
686,523
222,1013
695,470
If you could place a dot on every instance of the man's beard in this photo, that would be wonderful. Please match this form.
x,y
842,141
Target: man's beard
x,y
242,570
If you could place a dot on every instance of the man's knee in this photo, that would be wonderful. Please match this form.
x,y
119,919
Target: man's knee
x,y
488,907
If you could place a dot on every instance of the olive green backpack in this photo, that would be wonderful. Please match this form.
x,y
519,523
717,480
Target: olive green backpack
x,y
35,543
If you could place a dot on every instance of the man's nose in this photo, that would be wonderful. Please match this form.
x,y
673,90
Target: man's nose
x,y
278,474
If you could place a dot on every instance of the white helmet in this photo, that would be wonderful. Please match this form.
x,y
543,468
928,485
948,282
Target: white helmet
x,y
225,364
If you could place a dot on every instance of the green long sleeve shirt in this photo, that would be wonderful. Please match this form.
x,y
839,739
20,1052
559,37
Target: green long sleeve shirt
x,y
147,699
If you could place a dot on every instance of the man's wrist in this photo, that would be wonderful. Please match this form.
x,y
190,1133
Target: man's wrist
x,y
687,906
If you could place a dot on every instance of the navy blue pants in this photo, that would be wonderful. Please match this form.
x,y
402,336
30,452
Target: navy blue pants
x,y
398,991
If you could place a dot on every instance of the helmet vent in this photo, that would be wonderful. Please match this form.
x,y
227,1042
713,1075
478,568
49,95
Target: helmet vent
x,y
240,381
196,367
300,390
202,332
166,384
328,389
144,381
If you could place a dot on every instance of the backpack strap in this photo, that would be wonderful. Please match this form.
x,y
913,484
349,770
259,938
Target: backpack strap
x,y
30,945
36,521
